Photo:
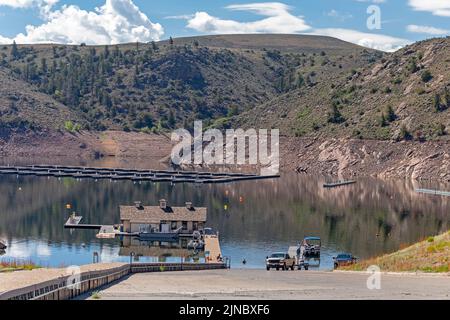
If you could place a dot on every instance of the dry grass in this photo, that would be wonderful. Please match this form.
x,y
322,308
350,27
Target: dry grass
x,y
16,265
430,255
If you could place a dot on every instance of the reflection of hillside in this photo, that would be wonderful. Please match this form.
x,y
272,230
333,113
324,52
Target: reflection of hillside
x,y
351,216
284,209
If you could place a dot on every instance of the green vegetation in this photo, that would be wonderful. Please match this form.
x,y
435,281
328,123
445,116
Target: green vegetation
x,y
15,265
71,127
431,255
426,76
334,115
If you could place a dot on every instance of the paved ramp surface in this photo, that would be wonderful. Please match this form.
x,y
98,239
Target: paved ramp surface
x,y
261,284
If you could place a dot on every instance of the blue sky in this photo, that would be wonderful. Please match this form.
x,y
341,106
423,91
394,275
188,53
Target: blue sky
x,y
116,21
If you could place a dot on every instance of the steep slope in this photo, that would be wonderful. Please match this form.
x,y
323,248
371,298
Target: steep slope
x,y
405,95
22,107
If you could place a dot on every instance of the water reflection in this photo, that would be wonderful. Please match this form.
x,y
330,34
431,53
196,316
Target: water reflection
x,y
254,218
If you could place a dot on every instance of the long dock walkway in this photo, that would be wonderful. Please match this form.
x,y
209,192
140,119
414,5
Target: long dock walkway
x,y
434,192
136,175
338,184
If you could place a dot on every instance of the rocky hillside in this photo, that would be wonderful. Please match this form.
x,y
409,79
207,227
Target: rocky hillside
x,y
161,86
402,96
23,107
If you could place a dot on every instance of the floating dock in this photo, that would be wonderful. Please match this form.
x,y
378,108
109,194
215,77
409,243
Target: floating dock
x,y
135,175
104,231
338,184
434,192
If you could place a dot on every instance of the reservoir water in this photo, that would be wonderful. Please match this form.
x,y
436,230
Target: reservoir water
x,y
254,218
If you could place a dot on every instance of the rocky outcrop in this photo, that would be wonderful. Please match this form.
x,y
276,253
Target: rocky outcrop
x,y
385,159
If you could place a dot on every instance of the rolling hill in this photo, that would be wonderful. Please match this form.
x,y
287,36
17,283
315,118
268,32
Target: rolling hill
x,y
160,86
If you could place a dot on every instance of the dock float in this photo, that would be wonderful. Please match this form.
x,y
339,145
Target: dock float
x,y
434,192
338,184
135,175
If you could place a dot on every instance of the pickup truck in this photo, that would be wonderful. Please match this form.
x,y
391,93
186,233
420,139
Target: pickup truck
x,y
280,260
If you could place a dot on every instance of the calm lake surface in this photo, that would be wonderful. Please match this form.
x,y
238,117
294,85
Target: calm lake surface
x,y
254,218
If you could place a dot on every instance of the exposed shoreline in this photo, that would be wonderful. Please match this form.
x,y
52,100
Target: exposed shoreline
x,y
340,158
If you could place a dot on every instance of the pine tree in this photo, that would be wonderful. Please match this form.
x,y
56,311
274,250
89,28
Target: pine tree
x,y
335,116
446,98
44,65
15,51
391,116
383,121
106,52
437,102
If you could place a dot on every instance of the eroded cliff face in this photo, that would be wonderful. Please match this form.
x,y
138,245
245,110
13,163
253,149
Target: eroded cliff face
x,y
350,158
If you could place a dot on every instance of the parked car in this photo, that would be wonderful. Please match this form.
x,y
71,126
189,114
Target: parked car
x,y
280,260
312,246
344,259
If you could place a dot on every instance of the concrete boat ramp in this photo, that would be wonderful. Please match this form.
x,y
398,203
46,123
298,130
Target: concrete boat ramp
x,y
136,175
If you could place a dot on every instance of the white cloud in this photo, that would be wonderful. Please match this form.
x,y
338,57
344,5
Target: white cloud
x,y
117,21
4,40
426,30
26,3
44,5
369,40
373,1
279,20
180,17
436,7
338,15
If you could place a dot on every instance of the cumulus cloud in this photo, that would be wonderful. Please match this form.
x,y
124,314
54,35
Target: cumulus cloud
x,y
281,20
117,21
436,7
426,30
278,20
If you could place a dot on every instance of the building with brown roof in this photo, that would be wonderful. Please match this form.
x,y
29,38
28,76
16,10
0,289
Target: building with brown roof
x,y
162,218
